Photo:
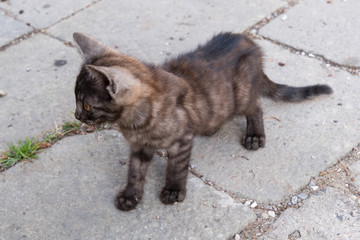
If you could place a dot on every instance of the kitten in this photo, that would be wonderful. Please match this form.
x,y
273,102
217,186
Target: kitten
x,y
166,106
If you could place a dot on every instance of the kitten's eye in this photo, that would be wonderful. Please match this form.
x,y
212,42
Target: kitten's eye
x,y
87,107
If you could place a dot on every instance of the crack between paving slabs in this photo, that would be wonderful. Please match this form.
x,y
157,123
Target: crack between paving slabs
x,y
19,39
252,33
69,16
255,27
351,69
37,30
336,176
59,134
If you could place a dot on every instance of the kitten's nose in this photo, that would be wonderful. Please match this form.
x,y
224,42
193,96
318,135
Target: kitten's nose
x,y
77,115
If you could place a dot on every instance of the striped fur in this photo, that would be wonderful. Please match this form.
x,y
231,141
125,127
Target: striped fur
x,y
164,107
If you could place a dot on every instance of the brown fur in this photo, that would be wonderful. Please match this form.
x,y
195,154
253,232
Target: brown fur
x,y
166,106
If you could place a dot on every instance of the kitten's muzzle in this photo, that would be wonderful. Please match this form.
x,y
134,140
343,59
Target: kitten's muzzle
x,y
77,115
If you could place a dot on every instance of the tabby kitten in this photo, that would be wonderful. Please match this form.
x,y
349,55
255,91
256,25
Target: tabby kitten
x,y
164,107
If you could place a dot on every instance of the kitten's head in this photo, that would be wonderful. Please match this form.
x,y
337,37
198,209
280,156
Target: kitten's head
x,y
105,84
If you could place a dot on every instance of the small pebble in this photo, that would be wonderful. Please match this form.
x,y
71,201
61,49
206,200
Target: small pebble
x,y
314,188
253,205
248,202
284,17
269,207
192,166
3,93
302,195
271,213
253,31
294,200
294,235
265,215
237,237
28,69
311,55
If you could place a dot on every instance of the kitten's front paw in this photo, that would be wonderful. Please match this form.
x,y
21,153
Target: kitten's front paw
x,y
254,142
125,202
171,196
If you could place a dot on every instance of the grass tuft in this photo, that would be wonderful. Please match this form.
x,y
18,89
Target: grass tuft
x,y
16,153
27,150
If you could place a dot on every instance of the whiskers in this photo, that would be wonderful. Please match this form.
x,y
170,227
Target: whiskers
x,y
98,131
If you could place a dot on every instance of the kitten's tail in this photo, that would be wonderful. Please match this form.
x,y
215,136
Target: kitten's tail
x,y
287,93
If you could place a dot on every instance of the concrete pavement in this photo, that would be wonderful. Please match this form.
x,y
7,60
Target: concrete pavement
x,y
303,185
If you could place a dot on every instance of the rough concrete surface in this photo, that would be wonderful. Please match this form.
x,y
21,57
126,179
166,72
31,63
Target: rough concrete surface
x,y
187,23
42,14
38,75
74,198
327,215
321,27
68,192
15,28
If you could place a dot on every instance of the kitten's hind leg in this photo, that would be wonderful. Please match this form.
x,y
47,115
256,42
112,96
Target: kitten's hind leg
x,y
140,160
255,133
176,172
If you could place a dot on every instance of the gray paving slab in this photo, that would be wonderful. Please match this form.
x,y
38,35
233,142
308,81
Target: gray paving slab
x,y
68,193
13,29
42,14
308,137
154,30
328,29
40,94
326,215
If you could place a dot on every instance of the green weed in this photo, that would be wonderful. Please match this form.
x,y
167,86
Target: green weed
x,y
71,127
50,137
16,153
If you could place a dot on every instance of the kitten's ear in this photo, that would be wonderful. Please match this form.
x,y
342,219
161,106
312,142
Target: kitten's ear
x,y
89,47
119,79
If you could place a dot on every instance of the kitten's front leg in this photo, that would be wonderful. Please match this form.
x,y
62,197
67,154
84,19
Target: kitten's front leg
x,y
176,172
140,160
